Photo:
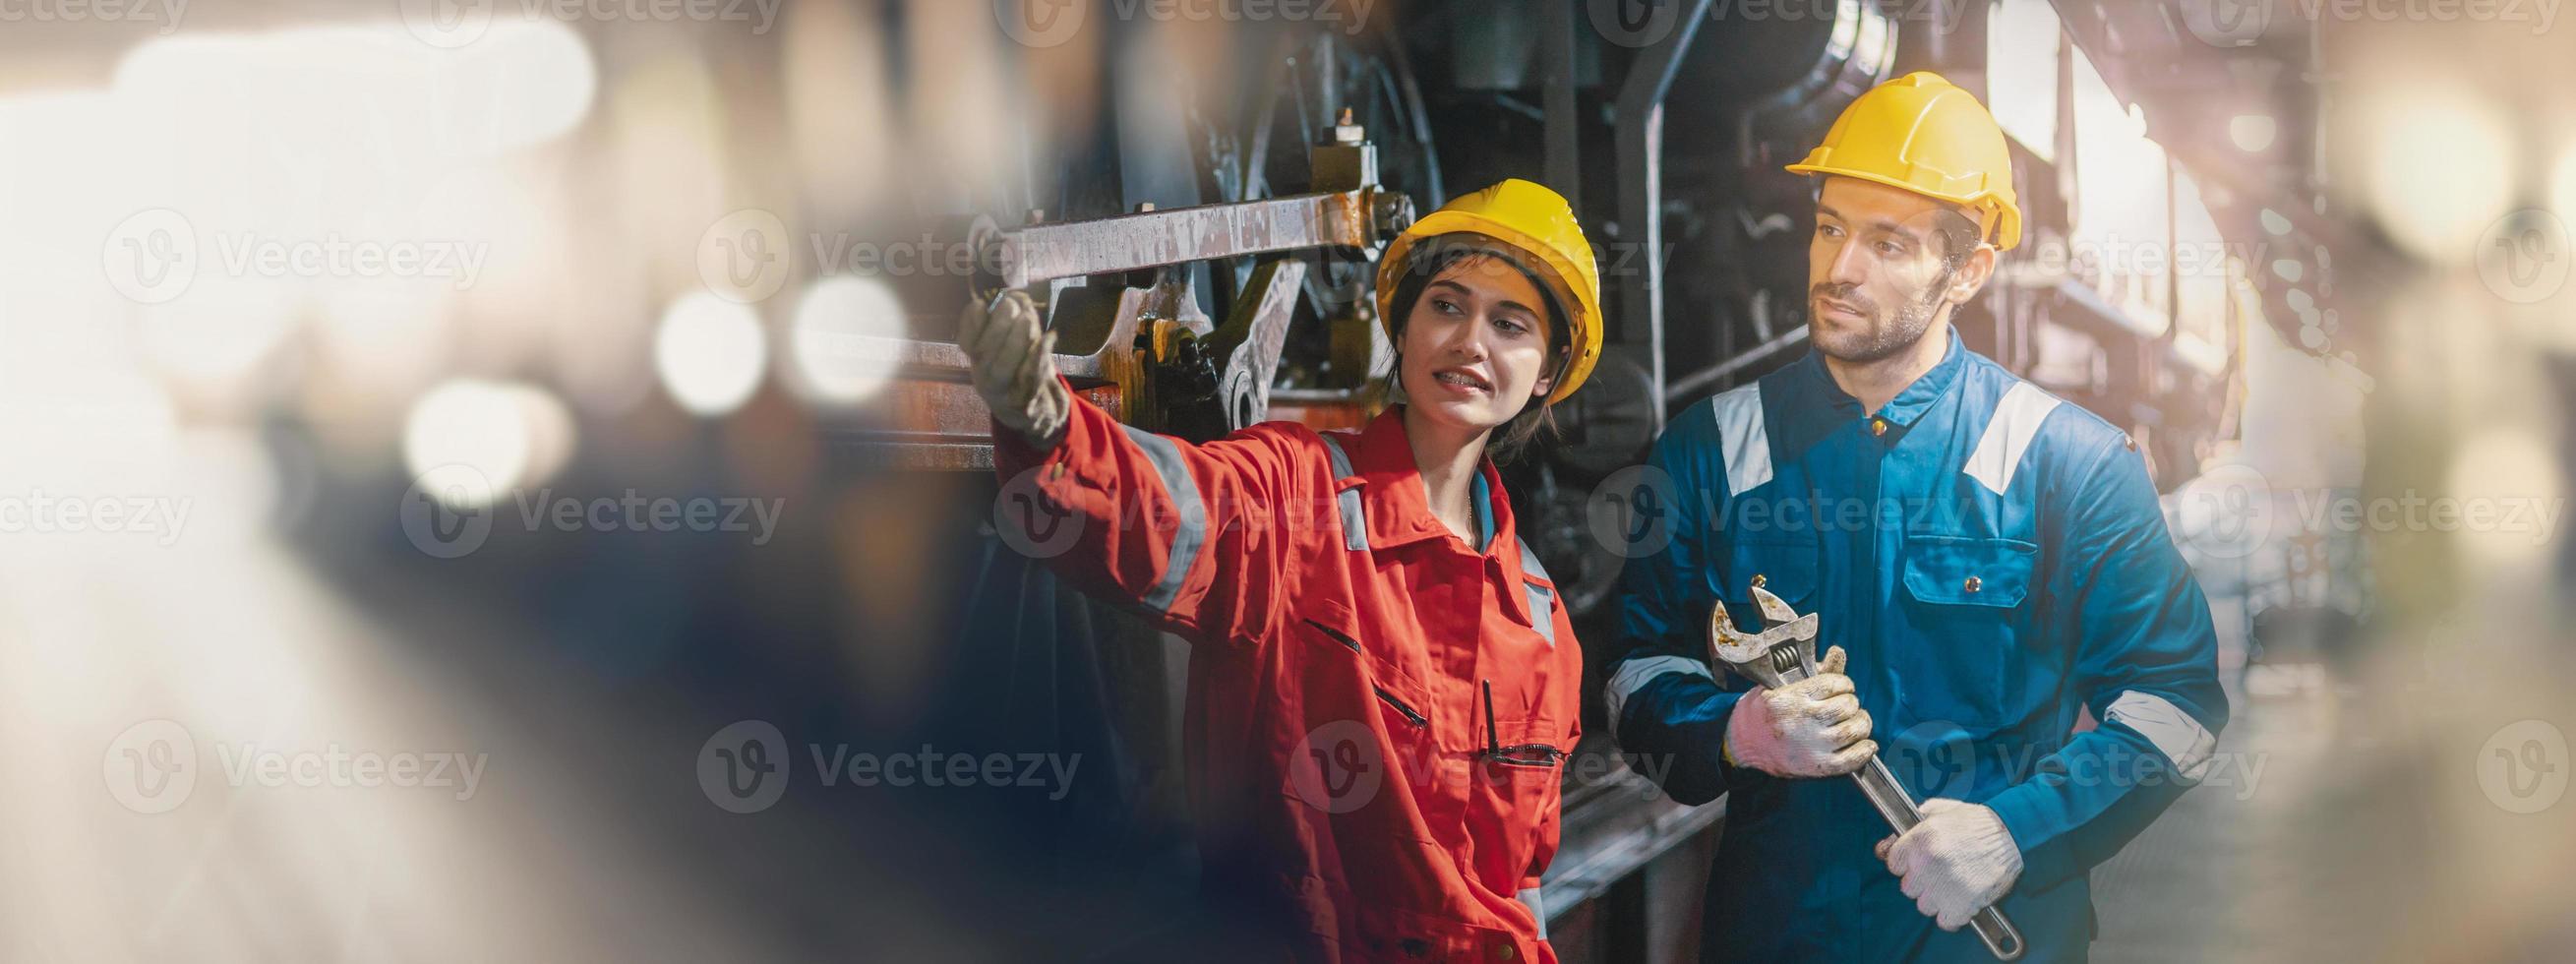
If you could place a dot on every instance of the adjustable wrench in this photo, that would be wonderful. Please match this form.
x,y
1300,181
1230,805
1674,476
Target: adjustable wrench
x,y
1784,652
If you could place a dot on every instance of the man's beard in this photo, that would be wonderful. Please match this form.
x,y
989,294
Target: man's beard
x,y
1884,339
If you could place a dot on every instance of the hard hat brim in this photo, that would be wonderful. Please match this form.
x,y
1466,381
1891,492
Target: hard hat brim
x,y
1559,273
2006,226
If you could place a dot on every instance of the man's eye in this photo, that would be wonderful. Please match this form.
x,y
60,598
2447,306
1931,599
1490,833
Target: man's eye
x,y
1829,231
1890,248
1444,306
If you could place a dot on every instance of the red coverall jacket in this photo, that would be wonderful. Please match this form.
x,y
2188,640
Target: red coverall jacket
x,y
1341,768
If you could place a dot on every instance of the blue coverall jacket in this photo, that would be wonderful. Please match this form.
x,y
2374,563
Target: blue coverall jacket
x,y
1995,563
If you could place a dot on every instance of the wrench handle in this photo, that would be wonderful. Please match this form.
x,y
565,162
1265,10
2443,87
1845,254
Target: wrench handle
x,y
2003,940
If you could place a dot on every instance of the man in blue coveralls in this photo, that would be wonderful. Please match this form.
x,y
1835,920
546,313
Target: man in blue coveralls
x,y
1992,562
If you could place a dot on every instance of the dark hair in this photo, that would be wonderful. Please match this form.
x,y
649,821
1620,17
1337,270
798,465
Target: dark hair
x,y
1954,236
1436,256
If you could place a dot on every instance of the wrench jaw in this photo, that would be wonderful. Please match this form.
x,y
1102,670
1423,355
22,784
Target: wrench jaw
x,y
1782,653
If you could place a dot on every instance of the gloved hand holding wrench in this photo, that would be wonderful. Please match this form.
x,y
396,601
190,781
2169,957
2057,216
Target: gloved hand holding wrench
x,y
1955,858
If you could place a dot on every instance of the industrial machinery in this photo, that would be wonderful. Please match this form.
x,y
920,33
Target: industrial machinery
x,y
1214,273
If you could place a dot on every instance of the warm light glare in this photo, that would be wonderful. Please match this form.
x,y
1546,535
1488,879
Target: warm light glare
x,y
844,340
2437,166
709,352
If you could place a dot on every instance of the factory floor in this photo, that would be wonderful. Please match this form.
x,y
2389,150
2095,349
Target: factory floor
x,y
2227,874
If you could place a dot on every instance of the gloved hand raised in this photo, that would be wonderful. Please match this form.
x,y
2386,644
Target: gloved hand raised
x,y
1013,359
1811,728
1958,861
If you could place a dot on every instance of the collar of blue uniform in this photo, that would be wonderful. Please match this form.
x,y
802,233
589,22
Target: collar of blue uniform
x,y
1818,406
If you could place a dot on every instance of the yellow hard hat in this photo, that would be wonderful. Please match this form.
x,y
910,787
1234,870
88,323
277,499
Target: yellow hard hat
x,y
1537,221
1924,134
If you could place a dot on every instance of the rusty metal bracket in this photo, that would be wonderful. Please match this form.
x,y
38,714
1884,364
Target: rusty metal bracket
x,y
1249,341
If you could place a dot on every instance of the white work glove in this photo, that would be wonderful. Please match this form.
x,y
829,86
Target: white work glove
x,y
1013,357
1811,728
1958,861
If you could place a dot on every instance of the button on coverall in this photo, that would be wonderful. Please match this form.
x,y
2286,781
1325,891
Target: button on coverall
x,y
1342,643
1995,563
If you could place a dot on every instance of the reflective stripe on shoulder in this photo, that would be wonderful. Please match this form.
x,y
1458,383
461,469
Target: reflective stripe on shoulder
x,y
1634,674
1165,455
1354,524
1743,438
1542,600
2016,421
2179,737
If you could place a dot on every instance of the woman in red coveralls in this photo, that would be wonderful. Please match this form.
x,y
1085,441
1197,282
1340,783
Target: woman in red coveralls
x,y
1383,684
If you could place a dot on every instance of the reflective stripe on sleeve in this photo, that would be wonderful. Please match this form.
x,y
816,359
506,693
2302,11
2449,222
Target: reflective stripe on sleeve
x,y
1634,674
1165,454
2179,737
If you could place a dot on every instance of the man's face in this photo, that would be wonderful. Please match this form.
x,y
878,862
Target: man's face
x,y
1876,278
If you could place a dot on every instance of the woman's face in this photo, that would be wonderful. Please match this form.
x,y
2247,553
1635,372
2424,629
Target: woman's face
x,y
1475,345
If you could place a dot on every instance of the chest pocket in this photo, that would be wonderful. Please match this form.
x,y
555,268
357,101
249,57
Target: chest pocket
x,y
1782,567
1966,609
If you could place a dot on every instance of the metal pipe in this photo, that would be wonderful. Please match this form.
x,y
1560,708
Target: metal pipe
x,y
1689,385
1641,193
